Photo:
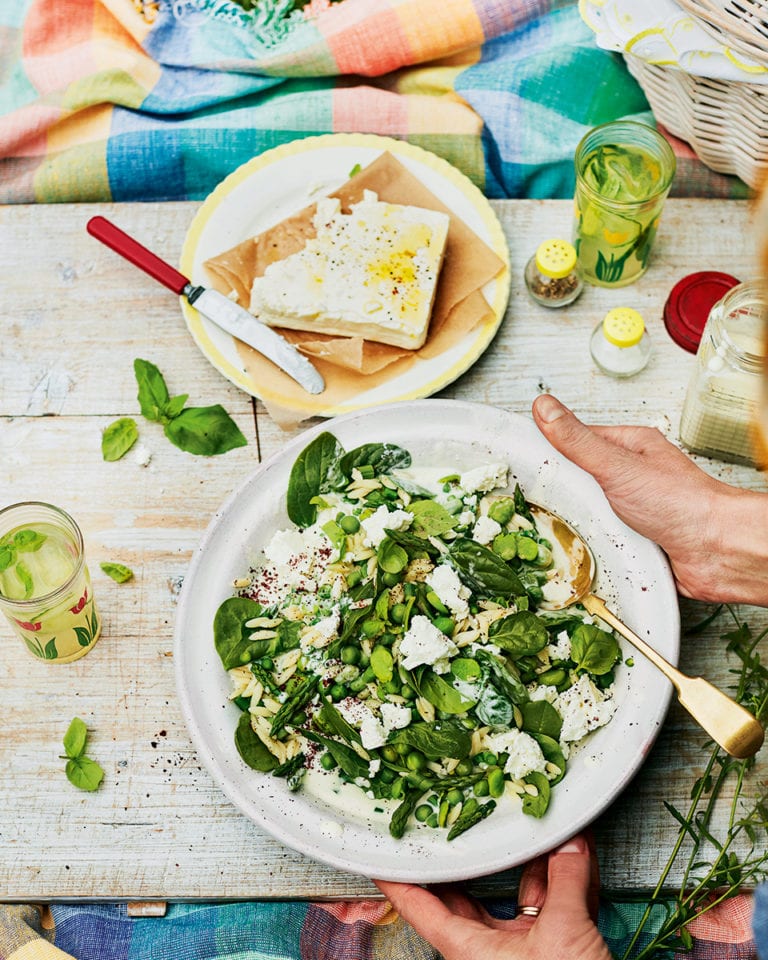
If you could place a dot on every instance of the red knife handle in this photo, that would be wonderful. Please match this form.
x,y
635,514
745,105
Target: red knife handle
x,y
135,253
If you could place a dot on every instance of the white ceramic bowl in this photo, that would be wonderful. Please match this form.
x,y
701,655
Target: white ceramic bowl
x,y
634,578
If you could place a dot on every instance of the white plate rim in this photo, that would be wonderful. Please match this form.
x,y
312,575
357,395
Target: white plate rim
x,y
411,859
434,173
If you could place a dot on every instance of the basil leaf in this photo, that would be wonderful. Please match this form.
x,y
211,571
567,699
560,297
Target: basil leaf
x,y
23,573
253,751
230,635
521,634
537,806
431,518
153,393
175,405
310,476
118,571
443,738
331,720
337,537
75,738
503,677
391,557
118,438
84,774
205,431
539,716
493,707
7,556
593,650
482,571
28,541
383,457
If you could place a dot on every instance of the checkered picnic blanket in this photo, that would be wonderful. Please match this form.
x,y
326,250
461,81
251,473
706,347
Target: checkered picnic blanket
x,y
114,100
367,930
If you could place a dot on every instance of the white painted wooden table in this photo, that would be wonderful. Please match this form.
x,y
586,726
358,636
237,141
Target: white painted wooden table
x,y
73,316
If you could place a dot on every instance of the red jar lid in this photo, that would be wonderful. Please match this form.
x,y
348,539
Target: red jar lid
x,y
689,303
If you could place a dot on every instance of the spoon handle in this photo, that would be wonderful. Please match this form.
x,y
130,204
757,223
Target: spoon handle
x,y
729,724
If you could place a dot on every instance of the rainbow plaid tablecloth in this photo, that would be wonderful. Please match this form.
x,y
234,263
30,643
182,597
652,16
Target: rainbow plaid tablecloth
x,y
114,100
368,930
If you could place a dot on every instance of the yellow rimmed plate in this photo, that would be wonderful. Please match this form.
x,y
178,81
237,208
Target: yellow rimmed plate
x,y
285,179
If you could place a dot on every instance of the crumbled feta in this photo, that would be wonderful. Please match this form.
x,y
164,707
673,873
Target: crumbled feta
x,y
394,716
485,530
484,478
562,649
524,753
384,519
584,708
372,732
542,692
373,767
424,643
446,584
299,557
466,517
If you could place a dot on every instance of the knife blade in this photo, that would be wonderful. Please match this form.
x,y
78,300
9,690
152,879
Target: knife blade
x,y
222,311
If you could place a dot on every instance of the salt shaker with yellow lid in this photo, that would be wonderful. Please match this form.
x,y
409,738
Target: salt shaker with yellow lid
x,y
620,344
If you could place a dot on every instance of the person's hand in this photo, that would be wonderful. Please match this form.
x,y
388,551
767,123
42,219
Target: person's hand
x,y
715,535
564,885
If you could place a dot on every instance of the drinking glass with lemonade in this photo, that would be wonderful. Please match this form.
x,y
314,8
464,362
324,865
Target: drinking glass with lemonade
x,y
624,170
45,587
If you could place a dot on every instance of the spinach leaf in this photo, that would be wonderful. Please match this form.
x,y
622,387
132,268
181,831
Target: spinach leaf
x,y
118,438
391,557
593,650
505,679
521,634
383,457
443,738
441,694
230,635
539,716
482,571
117,571
537,806
310,476
493,707
253,751
205,431
153,393
431,518
555,622
552,754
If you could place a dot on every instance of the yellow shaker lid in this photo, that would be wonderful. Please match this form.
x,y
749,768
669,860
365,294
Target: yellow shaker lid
x,y
555,258
623,327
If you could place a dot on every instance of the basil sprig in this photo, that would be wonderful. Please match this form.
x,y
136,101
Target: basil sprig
x,y
118,438
117,571
83,773
205,431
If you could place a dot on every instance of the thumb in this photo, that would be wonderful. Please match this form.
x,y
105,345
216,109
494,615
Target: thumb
x,y
584,446
569,883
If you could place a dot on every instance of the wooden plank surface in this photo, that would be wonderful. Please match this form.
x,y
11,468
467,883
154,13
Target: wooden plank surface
x,y
74,316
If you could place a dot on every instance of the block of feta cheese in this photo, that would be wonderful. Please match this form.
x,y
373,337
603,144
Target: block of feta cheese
x,y
371,273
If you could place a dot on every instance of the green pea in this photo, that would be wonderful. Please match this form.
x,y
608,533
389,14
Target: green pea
x,y
349,524
454,796
416,761
445,625
245,656
392,686
423,812
387,776
488,757
390,579
267,663
327,762
387,639
495,780
453,505
409,589
481,788
350,654
464,767
408,692
390,754
338,691
388,494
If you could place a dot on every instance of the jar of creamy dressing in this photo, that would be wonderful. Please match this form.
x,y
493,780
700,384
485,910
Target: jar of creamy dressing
x,y
720,412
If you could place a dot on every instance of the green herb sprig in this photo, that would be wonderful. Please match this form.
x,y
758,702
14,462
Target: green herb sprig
x,y
713,871
205,431
83,773
117,571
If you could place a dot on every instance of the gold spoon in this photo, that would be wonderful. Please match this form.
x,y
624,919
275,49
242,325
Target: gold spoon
x,y
729,724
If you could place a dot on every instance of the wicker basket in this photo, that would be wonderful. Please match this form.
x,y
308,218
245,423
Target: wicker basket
x,y
740,24
726,123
